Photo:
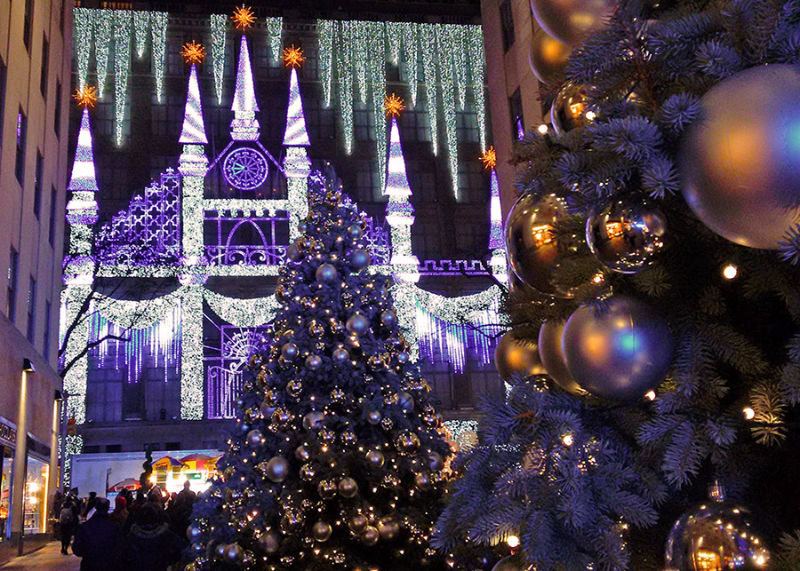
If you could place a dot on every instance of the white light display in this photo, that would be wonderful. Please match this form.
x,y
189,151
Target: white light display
x,y
219,32
102,42
361,56
193,131
457,38
411,58
82,24
465,432
192,377
344,73
242,312
83,174
274,33
325,30
73,444
430,65
446,61
495,214
158,46
141,27
295,134
122,63
394,36
245,126
376,70
137,314
476,61
459,309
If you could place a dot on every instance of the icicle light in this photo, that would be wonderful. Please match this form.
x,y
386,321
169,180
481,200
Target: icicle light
x,y
122,65
82,24
219,28
102,43
158,34
141,27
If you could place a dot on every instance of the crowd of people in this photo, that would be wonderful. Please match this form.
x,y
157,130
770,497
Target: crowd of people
x,y
146,530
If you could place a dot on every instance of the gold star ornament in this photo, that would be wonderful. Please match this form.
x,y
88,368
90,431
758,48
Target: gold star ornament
x,y
193,52
86,97
293,56
393,105
243,17
489,158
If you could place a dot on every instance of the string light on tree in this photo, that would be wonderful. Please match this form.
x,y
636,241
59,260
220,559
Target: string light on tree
x,y
243,18
293,57
86,97
730,271
193,52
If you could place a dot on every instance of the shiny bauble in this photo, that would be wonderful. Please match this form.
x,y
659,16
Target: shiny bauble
x,y
358,523
626,235
280,416
277,469
308,472
255,438
571,20
375,458
388,528
359,259
517,356
373,417
289,351
406,401
355,231
326,489
322,531
357,324
407,442
422,481
550,335
293,253
572,108
740,161
548,57
313,362
534,250
435,461
193,533
302,453
348,487
389,319
620,353
314,420
291,520
326,273
340,355
715,535
370,535
512,563
233,553
294,388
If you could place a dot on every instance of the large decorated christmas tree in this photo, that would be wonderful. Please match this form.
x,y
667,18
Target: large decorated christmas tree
x,y
654,355
338,455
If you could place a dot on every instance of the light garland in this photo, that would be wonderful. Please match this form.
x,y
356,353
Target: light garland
x,y
476,65
73,444
219,29
326,29
72,297
275,33
122,63
344,62
136,314
141,27
158,35
102,42
297,192
446,61
82,24
411,59
463,309
430,65
242,312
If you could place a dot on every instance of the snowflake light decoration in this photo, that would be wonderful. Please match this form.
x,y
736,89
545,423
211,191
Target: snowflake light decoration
x,y
86,97
243,17
193,52
394,105
489,159
293,56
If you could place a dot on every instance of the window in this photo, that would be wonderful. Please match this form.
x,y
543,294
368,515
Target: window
x,y
37,185
26,32
113,447
515,111
507,24
13,268
57,110
32,310
22,128
51,232
48,308
45,66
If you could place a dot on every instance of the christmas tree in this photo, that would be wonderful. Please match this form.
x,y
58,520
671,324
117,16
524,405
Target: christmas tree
x,y
337,457
655,321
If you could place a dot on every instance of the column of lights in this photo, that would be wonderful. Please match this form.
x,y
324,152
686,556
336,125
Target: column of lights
x,y
158,35
377,83
219,28
411,58
82,24
360,47
141,29
122,62
394,36
102,42
274,33
429,67
456,39
344,74
325,29
446,62
476,61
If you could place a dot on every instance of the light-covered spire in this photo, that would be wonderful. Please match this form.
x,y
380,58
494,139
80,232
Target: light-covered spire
x,y
400,212
83,175
193,132
397,187
496,241
244,97
296,134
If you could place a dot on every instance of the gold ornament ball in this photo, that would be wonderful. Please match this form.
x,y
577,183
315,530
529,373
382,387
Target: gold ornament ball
x,y
358,523
269,542
322,531
740,161
407,442
571,20
550,334
348,487
388,528
370,536
277,469
326,489
548,57
375,458
516,355
571,108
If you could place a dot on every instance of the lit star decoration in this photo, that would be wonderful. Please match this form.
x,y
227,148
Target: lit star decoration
x,y
394,105
489,159
243,17
293,57
86,97
193,52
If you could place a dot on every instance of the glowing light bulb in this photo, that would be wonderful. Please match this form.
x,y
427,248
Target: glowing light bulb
x,y
749,413
512,541
567,440
729,272
590,115
650,395
542,129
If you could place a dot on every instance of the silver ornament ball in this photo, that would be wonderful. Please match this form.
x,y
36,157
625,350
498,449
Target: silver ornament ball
x,y
515,355
326,273
277,469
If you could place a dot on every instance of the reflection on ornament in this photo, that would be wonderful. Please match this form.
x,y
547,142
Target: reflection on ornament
x,y
740,162
571,108
548,57
626,235
515,355
571,20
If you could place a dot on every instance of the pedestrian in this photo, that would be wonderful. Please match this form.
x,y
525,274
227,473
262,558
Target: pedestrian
x,y
98,541
120,513
151,545
89,505
67,521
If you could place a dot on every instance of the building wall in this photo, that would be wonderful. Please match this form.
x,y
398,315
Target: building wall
x,y
508,70
32,209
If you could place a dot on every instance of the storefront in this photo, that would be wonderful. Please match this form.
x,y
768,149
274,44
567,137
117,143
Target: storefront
x,y
8,434
36,500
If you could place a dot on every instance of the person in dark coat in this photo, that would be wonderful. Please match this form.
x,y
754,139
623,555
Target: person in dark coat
x,y
151,545
67,522
98,541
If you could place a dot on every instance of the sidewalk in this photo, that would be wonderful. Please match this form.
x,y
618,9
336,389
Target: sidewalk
x,y
48,558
